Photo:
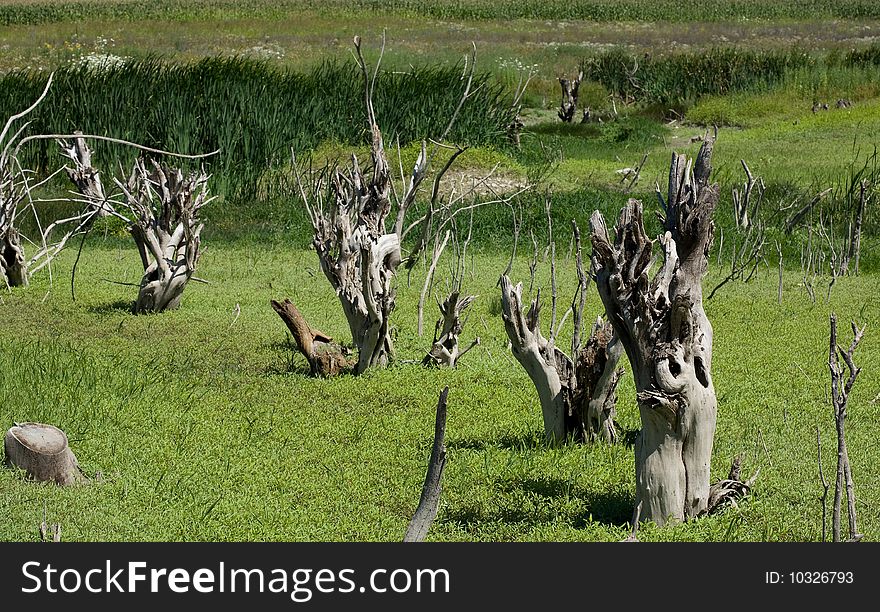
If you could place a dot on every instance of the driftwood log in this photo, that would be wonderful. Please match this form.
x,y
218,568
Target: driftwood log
x,y
42,452
429,502
667,336
325,357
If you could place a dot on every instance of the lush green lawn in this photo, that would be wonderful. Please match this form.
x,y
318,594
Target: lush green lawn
x,y
203,427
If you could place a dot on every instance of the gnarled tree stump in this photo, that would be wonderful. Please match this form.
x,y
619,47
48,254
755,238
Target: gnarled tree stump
x,y
667,337
325,357
577,397
42,452
445,350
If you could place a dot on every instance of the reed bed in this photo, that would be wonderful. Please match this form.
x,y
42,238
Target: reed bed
x,y
255,113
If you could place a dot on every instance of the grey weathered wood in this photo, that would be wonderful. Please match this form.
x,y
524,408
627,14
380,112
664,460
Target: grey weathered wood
x,y
667,336
568,106
841,386
446,349
163,205
42,451
577,397
429,502
84,176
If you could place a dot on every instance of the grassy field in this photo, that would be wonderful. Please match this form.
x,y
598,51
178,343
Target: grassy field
x,y
201,424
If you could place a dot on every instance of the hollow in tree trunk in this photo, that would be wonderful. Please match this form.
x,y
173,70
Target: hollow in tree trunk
x,y
667,337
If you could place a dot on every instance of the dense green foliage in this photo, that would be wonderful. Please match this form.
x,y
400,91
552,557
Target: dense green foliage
x,y
680,79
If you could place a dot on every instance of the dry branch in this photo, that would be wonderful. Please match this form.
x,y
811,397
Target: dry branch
x,y
841,386
429,501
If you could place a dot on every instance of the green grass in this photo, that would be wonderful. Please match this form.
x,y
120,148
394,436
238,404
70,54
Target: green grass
x,y
205,428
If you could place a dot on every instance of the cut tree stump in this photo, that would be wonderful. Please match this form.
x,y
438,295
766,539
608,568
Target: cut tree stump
x,y
325,357
42,452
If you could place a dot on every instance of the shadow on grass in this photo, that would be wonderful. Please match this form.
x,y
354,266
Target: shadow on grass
x,y
115,307
548,501
522,441
529,441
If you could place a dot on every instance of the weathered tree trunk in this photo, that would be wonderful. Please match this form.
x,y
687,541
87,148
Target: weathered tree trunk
x,y
568,106
577,401
167,234
85,177
445,351
165,206
325,357
550,369
667,337
360,259
13,265
42,452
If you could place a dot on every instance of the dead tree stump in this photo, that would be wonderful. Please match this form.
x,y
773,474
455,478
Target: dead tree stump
x,y
568,106
166,229
577,401
597,375
42,452
667,337
325,357
164,206
445,351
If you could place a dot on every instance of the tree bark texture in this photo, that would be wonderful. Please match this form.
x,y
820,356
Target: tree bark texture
x,y
42,452
667,337
84,176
